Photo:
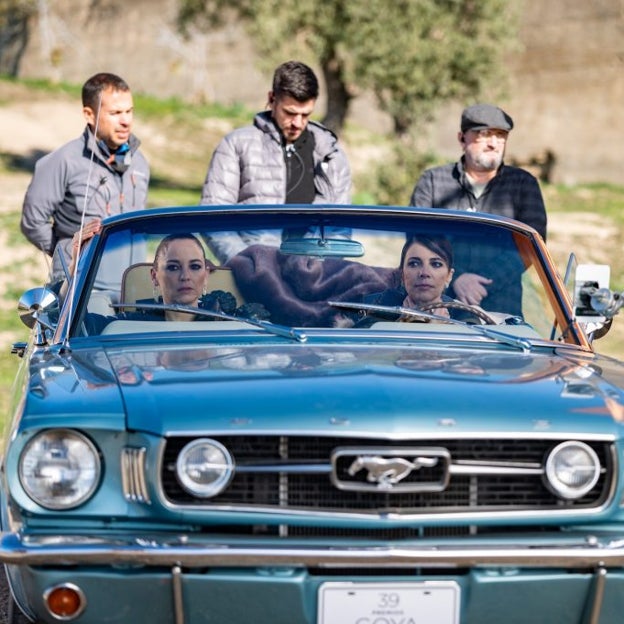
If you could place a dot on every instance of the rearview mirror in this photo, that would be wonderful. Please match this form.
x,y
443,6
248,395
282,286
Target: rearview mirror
x,y
322,247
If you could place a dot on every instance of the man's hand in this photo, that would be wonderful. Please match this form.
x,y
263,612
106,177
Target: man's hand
x,y
89,230
471,288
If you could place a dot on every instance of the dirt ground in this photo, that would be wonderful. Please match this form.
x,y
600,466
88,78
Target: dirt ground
x,y
30,128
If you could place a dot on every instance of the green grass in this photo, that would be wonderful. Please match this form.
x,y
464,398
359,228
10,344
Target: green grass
x,y
8,369
9,319
152,108
9,362
163,196
606,200
149,106
9,224
606,203
40,86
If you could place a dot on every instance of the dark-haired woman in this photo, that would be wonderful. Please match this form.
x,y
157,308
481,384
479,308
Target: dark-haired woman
x,y
426,271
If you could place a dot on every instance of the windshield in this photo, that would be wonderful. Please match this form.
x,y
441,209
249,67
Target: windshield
x,y
311,269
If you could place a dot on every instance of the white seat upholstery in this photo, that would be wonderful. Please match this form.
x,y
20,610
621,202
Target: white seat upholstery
x,y
136,283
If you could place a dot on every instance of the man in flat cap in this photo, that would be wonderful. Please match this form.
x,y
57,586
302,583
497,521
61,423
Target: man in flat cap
x,y
481,182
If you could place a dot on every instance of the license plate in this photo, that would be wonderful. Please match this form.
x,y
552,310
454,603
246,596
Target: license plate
x,y
428,602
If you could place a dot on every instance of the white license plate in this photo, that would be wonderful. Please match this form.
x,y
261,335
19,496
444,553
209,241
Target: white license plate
x,y
428,602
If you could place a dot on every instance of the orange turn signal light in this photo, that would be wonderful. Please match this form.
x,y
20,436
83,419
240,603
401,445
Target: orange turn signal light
x,y
65,601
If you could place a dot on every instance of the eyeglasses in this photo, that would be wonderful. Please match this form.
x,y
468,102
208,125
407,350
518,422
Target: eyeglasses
x,y
489,134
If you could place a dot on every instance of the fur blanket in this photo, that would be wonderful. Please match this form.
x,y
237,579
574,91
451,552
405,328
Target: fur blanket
x,y
295,289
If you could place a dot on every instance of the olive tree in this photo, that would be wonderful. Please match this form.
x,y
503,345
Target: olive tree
x,y
14,31
418,54
412,54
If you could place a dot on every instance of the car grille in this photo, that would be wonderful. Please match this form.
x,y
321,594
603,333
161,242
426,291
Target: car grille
x,y
294,474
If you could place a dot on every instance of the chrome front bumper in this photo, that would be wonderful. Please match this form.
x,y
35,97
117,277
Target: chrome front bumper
x,y
588,553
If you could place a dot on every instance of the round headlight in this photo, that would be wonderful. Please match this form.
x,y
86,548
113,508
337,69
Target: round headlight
x,y
204,467
59,469
572,469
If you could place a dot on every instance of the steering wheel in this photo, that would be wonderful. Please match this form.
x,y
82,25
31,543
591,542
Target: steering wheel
x,y
458,305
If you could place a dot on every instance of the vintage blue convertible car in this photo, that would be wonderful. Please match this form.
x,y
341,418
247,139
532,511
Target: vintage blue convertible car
x,y
299,445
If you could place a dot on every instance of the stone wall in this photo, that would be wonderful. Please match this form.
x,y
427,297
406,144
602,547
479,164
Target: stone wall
x,y
566,80
565,92
138,40
568,87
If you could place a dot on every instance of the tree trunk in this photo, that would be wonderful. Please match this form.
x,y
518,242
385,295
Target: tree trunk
x,y
338,96
14,34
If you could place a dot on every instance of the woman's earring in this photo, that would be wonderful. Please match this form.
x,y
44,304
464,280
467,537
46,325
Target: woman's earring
x,y
156,293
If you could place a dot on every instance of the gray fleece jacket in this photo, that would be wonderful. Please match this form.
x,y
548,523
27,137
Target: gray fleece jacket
x,y
55,198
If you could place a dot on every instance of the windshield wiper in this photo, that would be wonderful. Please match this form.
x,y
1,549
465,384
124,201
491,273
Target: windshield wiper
x,y
427,317
273,328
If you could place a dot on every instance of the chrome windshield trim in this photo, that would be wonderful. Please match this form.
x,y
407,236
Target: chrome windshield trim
x,y
182,551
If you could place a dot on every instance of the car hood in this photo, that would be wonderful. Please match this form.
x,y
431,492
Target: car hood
x,y
371,389
335,389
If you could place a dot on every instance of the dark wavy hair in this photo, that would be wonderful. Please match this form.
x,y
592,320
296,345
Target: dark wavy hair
x,y
297,80
436,244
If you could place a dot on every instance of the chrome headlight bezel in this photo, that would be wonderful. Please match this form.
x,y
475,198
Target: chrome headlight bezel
x,y
219,461
59,469
559,478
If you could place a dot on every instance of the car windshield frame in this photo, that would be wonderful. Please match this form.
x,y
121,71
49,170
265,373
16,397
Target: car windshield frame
x,y
322,228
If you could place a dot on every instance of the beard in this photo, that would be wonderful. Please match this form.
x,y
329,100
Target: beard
x,y
488,161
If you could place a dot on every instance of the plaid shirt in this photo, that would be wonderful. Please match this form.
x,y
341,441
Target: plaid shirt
x,y
513,192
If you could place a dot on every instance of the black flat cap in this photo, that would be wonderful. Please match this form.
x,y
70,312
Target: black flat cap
x,y
483,116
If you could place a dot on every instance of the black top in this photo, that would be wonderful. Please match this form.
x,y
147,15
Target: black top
x,y
299,158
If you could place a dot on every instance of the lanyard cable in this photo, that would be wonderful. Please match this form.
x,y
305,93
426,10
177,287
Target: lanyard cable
x,y
72,290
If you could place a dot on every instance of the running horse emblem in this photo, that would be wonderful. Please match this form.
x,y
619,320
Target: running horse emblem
x,y
388,471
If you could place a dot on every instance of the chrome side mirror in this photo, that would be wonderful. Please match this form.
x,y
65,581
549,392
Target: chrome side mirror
x,y
39,308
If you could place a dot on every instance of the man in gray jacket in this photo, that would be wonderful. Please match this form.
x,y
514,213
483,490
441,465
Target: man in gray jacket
x,y
282,158
98,174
